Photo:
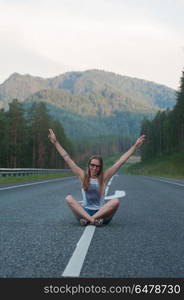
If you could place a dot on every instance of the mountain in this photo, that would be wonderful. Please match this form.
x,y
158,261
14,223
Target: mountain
x,y
90,81
97,81
98,100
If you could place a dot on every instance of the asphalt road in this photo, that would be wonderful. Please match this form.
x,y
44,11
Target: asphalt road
x,y
38,232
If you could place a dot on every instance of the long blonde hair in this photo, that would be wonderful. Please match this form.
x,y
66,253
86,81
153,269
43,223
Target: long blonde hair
x,y
87,175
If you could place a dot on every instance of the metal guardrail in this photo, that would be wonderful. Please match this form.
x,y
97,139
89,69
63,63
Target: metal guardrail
x,y
29,171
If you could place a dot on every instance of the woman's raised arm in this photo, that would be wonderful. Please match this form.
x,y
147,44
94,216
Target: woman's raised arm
x,y
72,165
112,170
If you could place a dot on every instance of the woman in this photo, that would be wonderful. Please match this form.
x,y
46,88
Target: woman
x,y
93,182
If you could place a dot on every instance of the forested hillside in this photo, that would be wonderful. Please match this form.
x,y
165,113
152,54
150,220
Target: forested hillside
x,y
107,83
92,111
93,102
166,131
97,83
24,138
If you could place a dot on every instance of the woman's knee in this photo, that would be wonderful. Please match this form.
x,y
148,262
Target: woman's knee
x,y
69,198
115,202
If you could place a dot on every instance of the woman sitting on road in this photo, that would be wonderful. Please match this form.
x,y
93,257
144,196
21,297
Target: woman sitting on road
x,y
94,210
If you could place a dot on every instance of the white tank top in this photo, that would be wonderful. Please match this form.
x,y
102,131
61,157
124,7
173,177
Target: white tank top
x,y
92,198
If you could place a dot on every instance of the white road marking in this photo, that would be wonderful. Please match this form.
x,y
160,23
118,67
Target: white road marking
x,y
171,182
118,194
27,184
106,190
76,261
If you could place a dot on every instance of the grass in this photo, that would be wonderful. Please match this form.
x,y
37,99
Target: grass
x,y
171,165
109,160
13,179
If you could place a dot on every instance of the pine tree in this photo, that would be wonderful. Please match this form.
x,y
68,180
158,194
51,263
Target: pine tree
x,y
15,135
39,121
179,113
147,151
3,134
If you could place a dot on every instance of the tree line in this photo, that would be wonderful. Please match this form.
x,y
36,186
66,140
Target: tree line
x,y
24,137
165,133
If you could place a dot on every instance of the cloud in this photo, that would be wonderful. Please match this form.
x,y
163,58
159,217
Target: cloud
x,y
16,57
135,38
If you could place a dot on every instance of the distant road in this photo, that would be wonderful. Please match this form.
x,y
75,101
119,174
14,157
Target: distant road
x,y
145,239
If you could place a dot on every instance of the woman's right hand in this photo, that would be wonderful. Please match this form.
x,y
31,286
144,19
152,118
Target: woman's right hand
x,y
52,136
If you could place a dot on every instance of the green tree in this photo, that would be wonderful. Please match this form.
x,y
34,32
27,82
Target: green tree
x,y
3,135
39,121
15,135
147,151
179,114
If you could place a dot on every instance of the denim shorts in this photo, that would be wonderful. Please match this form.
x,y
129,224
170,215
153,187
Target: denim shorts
x,y
91,212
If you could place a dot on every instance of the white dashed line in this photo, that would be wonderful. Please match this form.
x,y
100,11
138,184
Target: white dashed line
x,y
76,261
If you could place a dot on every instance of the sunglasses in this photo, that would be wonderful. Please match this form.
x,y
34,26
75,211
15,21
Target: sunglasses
x,y
95,166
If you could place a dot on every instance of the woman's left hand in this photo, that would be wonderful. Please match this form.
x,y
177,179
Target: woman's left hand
x,y
140,141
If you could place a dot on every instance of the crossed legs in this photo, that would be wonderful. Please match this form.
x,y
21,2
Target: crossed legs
x,y
106,211
77,208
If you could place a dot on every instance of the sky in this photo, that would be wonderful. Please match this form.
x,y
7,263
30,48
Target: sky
x,y
136,38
